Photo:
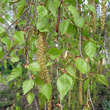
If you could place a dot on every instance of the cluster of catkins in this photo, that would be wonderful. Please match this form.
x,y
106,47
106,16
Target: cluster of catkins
x,y
103,15
41,58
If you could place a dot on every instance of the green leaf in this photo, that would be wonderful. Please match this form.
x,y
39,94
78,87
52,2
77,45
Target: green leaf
x,y
91,8
39,81
64,26
42,23
54,53
0,48
23,22
34,66
86,84
81,65
46,90
90,48
70,70
79,22
71,30
50,63
30,98
19,37
64,83
16,72
102,80
73,11
21,4
2,20
18,96
53,6
17,108
7,42
7,17
27,85
44,30
42,11
3,81
42,99
70,2
5,63
64,108
1,29
1,54
14,58
85,31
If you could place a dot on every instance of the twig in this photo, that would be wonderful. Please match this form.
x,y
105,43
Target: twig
x,y
15,1
79,78
45,2
8,52
14,22
36,103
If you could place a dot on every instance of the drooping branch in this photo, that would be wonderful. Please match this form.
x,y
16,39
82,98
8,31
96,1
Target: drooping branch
x,y
14,22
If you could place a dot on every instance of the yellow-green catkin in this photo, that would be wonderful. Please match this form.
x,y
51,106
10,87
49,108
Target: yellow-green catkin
x,y
41,58
47,75
94,18
80,90
103,14
40,55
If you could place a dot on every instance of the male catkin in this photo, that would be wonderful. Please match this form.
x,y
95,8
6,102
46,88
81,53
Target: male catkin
x,y
103,15
41,58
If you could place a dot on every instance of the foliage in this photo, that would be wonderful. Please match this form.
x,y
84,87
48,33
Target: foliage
x,y
54,46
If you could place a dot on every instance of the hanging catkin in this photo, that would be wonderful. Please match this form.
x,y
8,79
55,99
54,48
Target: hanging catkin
x,y
80,90
40,55
47,76
41,58
103,14
94,19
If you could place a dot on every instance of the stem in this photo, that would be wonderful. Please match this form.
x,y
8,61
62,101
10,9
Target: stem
x,y
90,98
45,2
8,52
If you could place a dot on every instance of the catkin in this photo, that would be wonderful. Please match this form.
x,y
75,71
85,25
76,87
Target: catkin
x,y
80,90
41,58
47,76
103,15
40,55
94,19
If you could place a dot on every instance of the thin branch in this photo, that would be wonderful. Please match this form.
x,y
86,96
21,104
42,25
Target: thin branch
x,y
14,22
8,52
79,78
45,2
15,1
